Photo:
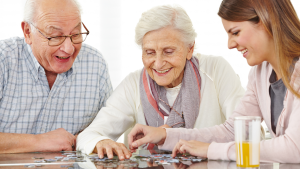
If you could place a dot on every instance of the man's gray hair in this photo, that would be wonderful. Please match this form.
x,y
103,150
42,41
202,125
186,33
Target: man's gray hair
x,y
30,9
163,16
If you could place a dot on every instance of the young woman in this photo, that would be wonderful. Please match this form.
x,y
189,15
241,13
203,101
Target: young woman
x,y
267,33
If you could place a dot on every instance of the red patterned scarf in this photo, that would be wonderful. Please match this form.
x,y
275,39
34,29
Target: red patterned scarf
x,y
186,107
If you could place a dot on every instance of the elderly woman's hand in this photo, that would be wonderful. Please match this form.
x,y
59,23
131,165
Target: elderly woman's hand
x,y
195,148
165,126
142,134
109,147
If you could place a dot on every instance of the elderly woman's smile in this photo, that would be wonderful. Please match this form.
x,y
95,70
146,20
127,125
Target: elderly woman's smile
x,y
162,72
164,56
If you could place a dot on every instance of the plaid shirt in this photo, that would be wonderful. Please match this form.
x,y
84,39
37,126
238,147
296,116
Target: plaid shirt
x,y
27,105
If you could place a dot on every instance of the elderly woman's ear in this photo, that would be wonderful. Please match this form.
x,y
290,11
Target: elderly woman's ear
x,y
191,51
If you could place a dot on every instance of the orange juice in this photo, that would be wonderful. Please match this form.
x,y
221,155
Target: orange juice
x,y
245,154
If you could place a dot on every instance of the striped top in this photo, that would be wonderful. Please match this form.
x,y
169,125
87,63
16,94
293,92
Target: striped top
x,y
28,106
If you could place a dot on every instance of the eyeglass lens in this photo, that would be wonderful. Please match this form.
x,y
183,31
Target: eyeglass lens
x,y
76,38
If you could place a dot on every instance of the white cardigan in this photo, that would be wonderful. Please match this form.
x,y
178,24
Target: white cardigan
x,y
220,93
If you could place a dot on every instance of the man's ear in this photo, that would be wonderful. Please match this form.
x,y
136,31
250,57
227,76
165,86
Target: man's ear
x,y
26,31
191,51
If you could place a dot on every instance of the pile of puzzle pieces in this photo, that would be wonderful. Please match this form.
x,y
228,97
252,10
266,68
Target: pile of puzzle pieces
x,y
159,159
166,159
113,163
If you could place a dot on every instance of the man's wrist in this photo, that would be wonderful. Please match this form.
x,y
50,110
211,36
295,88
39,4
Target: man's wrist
x,y
37,140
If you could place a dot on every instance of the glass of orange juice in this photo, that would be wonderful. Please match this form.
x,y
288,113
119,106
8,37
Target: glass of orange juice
x,y
247,140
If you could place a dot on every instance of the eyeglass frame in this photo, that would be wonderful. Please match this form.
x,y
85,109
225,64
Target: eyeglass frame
x,y
49,38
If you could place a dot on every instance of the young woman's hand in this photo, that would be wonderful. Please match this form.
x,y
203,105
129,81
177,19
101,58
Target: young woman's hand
x,y
195,148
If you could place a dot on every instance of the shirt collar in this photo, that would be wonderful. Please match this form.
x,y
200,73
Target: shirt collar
x,y
33,64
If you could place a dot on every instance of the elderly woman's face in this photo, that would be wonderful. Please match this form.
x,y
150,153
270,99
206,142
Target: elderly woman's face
x,y
165,55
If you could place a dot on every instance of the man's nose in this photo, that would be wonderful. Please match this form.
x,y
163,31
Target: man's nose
x,y
67,46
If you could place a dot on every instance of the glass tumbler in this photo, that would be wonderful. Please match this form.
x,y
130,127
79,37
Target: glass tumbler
x,y
247,140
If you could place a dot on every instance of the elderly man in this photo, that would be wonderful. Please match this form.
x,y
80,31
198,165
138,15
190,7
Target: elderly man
x,y
51,85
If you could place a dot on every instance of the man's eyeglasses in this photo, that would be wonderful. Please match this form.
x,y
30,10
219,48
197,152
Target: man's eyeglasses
x,y
58,40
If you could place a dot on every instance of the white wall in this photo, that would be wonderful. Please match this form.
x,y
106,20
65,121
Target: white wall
x,y
112,24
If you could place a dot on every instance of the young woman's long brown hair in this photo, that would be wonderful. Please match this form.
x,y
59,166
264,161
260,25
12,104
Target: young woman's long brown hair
x,y
281,22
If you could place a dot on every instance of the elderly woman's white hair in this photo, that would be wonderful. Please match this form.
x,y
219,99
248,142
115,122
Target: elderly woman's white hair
x,y
163,16
30,9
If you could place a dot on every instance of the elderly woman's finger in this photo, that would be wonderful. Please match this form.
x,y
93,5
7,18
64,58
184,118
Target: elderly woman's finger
x,y
132,135
133,150
118,151
125,151
109,152
151,135
100,150
141,141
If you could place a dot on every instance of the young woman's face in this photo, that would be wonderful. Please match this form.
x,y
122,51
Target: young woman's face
x,y
252,40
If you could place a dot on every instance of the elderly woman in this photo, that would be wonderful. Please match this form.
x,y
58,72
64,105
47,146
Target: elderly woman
x,y
174,89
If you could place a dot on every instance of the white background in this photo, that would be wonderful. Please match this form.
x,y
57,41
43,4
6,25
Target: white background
x,y
112,26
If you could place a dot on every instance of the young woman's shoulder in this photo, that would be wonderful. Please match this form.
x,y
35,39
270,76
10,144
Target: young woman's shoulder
x,y
261,71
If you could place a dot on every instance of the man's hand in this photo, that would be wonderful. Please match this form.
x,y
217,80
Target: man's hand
x,y
56,140
195,148
109,147
142,134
